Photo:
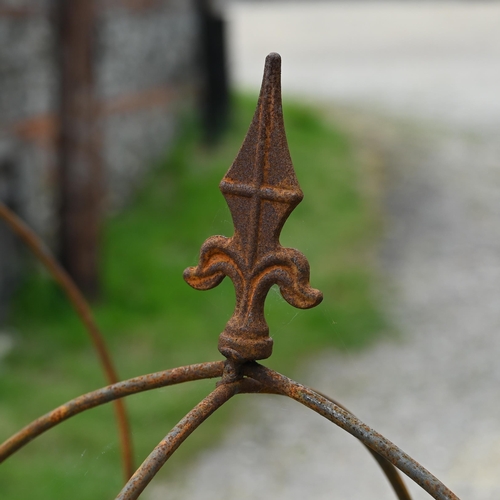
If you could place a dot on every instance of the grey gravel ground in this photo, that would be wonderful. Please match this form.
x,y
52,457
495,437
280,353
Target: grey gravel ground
x,y
434,389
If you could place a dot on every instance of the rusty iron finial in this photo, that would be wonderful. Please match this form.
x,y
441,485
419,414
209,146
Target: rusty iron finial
x,y
261,190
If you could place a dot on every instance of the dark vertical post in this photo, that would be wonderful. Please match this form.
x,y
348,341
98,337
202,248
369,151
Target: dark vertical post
x,y
79,159
215,87
9,246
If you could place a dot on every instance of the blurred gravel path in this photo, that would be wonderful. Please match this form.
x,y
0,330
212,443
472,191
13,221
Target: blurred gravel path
x,y
435,390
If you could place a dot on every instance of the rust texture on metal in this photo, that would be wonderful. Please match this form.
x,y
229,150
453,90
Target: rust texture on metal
x,y
105,395
167,446
261,190
82,308
280,384
388,469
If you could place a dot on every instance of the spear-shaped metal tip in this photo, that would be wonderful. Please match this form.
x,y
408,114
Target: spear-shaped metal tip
x,y
261,190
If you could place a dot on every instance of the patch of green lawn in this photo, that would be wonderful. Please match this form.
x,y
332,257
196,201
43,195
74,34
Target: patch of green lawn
x,y
153,320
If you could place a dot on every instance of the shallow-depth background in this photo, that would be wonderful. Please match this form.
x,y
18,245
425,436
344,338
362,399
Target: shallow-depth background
x,y
398,157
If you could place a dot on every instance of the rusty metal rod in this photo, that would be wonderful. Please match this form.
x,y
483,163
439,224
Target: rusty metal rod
x,y
391,473
105,395
167,446
378,443
43,254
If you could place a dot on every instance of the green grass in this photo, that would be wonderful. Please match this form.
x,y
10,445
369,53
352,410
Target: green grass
x,y
153,321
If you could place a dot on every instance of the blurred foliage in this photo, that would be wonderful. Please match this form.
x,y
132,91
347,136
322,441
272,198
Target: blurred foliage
x,y
153,321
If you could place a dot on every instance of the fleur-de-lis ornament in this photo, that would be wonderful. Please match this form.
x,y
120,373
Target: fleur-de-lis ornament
x,y
261,190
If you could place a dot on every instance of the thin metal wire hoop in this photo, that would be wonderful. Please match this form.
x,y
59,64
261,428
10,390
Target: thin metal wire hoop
x,y
105,395
279,384
259,379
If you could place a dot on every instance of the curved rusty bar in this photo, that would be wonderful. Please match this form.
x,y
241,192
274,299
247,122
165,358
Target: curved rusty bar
x,y
283,385
105,395
167,446
392,475
43,254
390,471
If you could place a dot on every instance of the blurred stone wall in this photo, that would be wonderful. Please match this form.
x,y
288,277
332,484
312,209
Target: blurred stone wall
x,y
145,73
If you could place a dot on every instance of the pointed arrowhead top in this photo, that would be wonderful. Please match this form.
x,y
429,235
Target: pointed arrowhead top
x,y
264,158
261,188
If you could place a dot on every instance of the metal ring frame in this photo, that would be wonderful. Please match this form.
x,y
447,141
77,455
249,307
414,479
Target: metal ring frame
x,y
240,373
